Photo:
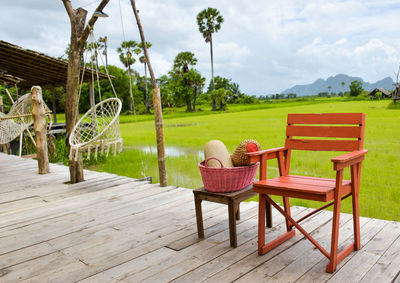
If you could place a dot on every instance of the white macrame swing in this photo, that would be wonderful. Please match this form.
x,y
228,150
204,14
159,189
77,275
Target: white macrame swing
x,y
97,130
18,119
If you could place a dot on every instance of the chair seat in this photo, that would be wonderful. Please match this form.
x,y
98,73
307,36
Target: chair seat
x,y
311,188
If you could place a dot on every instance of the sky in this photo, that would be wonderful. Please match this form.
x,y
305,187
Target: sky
x,y
265,46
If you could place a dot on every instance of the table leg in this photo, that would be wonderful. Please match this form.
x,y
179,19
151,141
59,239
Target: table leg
x,y
238,211
199,217
232,224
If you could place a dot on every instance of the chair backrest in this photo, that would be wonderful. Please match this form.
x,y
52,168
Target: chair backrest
x,y
348,136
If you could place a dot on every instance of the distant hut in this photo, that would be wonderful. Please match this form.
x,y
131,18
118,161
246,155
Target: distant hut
x,y
385,93
396,93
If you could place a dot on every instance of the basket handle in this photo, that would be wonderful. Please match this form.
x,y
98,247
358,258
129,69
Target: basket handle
x,y
212,157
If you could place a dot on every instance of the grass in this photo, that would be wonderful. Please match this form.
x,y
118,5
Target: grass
x,y
380,190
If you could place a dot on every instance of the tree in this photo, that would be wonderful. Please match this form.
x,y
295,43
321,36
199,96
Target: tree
x,y
220,95
209,21
142,60
79,35
355,88
343,83
182,78
329,89
165,91
219,82
126,57
197,82
235,92
183,61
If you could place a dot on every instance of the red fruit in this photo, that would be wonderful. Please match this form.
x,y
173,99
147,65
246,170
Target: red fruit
x,y
251,147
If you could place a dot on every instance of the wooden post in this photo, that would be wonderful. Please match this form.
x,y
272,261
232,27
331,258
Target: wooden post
x,y
157,107
39,126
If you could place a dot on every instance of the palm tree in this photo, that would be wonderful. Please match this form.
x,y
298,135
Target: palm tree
x,y
182,64
329,89
183,61
209,21
142,60
197,82
125,55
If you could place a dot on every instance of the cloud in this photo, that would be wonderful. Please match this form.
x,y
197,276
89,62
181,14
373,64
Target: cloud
x,y
265,46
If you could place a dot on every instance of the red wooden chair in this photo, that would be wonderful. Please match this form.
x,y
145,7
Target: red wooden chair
x,y
311,188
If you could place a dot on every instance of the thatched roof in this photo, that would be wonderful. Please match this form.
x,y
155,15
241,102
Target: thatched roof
x,y
28,67
385,93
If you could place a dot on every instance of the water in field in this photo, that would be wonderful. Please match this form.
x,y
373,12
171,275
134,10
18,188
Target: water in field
x,y
172,151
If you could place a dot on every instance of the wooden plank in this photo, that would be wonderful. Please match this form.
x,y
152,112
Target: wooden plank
x,y
323,131
204,251
27,270
271,268
115,274
387,267
8,242
67,239
230,266
222,262
364,260
193,238
302,264
121,255
67,203
323,145
368,231
327,118
126,269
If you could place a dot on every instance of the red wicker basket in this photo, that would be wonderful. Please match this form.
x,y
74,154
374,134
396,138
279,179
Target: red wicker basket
x,y
224,180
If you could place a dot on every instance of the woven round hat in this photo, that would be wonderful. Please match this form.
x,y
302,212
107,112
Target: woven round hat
x,y
239,157
216,148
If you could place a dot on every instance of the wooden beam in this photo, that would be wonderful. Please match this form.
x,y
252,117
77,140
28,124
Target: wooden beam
x,y
162,169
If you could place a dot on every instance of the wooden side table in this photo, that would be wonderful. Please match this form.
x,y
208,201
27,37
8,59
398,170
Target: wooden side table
x,y
233,201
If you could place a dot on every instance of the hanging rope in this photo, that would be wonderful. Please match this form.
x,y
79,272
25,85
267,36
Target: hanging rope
x,y
98,128
130,85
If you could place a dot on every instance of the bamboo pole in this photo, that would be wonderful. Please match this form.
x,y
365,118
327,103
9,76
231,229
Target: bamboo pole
x,y
157,107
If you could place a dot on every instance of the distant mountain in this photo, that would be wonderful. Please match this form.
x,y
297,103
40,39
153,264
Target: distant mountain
x,y
335,82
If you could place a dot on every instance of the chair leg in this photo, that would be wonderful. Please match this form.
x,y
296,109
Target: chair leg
x,y
356,212
331,267
286,206
261,222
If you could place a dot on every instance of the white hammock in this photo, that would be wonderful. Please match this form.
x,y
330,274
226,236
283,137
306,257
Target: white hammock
x,y
18,119
97,130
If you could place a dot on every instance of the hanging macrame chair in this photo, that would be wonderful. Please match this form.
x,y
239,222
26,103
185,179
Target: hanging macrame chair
x,y
98,129
18,119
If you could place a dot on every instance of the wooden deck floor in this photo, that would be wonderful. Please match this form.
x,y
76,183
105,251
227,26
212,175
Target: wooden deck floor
x,y
112,228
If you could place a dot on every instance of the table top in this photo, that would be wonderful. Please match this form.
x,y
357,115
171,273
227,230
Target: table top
x,y
247,190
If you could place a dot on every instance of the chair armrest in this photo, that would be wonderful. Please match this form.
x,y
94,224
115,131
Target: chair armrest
x,y
348,159
265,154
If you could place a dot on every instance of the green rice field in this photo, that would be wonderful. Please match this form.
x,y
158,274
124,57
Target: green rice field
x,y
185,136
